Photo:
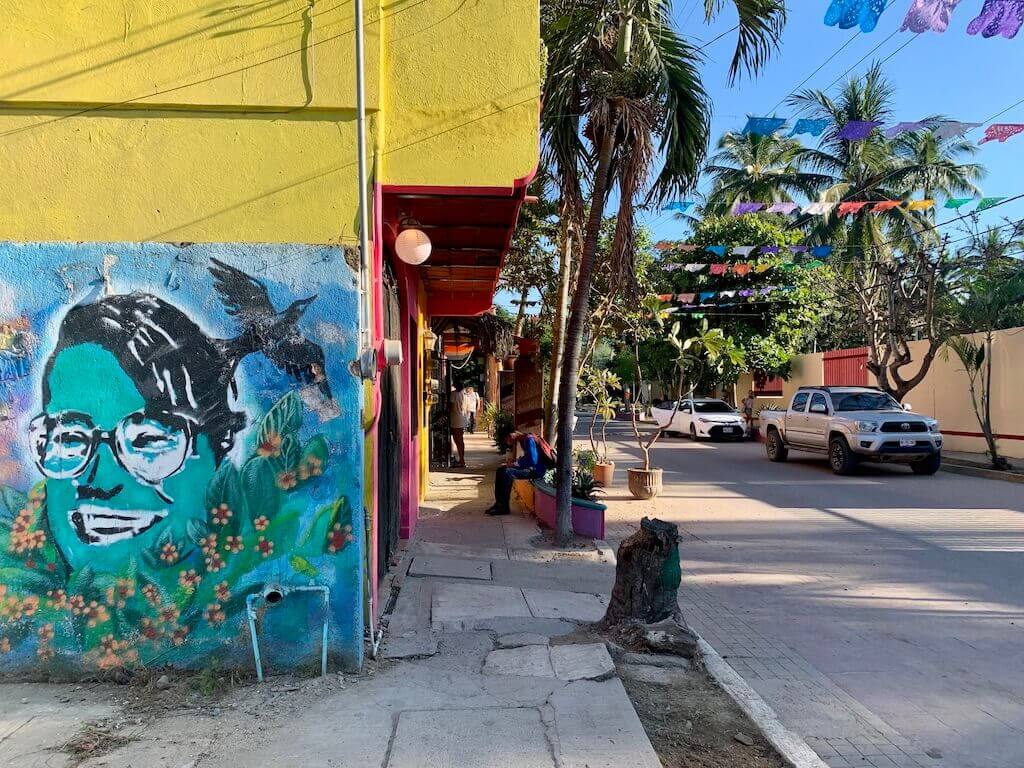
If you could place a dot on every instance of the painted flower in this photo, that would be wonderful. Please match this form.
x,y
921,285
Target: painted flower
x,y
10,608
30,605
338,537
214,562
58,599
169,553
109,644
95,613
261,523
312,466
220,514
209,544
222,592
178,636
286,480
189,579
149,629
233,544
45,633
44,651
169,614
264,547
213,614
5,645
152,594
270,448
118,595
77,604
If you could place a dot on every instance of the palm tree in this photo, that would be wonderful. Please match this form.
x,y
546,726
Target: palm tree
x,y
623,86
758,168
879,168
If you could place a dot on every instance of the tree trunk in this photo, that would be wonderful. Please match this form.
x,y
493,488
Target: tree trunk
x,y
647,576
521,316
574,340
558,326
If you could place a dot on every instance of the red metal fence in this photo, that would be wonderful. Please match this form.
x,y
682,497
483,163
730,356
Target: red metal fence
x,y
846,367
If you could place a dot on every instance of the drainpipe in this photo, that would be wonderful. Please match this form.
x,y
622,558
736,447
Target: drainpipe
x,y
367,357
271,596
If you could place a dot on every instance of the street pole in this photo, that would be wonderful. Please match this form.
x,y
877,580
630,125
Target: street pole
x,y
365,332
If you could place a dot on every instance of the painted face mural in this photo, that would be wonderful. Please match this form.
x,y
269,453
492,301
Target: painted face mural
x,y
163,495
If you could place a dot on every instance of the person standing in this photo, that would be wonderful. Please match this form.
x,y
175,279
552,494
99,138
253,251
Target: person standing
x,y
471,402
457,424
748,412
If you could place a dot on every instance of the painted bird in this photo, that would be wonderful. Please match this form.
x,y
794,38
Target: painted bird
x,y
264,329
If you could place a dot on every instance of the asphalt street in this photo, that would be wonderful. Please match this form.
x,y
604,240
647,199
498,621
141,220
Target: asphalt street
x,y
906,592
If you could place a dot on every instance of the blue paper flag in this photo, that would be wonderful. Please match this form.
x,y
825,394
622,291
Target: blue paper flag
x,y
679,205
763,126
718,250
811,126
705,295
821,251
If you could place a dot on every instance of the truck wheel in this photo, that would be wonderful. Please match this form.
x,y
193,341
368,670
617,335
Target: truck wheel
x,y
927,466
774,446
843,460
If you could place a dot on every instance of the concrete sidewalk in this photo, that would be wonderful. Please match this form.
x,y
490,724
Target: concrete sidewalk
x,y
478,669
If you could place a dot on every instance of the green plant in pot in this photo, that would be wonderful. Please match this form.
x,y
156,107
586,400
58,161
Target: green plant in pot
x,y
597,383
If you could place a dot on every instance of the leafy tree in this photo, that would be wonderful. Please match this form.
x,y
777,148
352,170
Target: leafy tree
x,y
528,265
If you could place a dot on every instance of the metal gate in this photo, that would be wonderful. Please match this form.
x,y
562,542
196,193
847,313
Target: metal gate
x,y
388,441
846,367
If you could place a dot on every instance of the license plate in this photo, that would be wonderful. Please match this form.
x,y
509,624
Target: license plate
x,y
730,430
906,442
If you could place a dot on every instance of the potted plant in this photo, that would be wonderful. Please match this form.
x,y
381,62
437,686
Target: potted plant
x,y
587,511
707,348
596,384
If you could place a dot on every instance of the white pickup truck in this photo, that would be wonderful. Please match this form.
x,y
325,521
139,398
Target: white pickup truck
x,y
850,425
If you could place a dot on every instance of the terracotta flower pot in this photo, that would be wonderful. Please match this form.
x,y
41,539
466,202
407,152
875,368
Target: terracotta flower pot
x,y
605,474
644,483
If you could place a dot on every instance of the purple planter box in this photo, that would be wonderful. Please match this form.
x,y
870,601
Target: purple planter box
x,y
587,516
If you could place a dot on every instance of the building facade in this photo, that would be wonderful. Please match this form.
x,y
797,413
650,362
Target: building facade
x,y
193,466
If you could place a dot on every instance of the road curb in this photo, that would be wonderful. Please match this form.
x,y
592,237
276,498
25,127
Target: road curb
x,y
989,474
793,749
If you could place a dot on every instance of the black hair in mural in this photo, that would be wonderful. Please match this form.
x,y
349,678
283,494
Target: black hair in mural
x,y
264,329
178,368
174,365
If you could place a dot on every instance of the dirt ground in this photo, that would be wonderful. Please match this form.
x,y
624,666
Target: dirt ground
x,y
693,723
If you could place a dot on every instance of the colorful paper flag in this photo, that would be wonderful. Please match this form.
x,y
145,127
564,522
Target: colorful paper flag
x,y
845,209
819,209
769,249
718,269
949,129
858,130
956,203
664,297
679,205
783,208
901,128
746,292
727,294
763,126
686,298
799,248
847,14
814,264
694,267
741,209
741,269
718,250
810,125
925,15
920,205
705,295
998,17
1002,131
821,251
762,268
886,205
988,202
743,250
686,248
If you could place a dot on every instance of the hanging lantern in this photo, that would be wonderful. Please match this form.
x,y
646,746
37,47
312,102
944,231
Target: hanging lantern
x,y
413,246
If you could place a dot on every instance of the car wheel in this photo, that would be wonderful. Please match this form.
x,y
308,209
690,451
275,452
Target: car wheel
x,y
842,459
693,431
775,448
927,466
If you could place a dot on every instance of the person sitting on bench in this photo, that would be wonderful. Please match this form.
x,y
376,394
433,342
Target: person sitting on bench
x,y
537,457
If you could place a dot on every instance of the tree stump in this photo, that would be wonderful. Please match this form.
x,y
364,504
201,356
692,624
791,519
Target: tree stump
x,y
647,576
644,609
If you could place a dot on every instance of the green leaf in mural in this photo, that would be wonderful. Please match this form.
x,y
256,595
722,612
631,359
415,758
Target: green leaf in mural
x,y
288,460
283,530
283,419
226,488
12,501
259,485
303,566
314,458
20,580
197,530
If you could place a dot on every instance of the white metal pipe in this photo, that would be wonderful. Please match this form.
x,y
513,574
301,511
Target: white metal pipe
x,y
364,217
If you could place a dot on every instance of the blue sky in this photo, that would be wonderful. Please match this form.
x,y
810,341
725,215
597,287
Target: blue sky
x,y
965,77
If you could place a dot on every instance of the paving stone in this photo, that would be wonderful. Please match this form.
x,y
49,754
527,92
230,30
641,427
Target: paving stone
x,y
482,738
411,644
656,660
522,638
558,604
461,550
456,606
588,661
597,727
449,567
510,626
527,661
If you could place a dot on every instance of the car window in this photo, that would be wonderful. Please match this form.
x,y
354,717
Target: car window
x,y
865,401
713,406
819,399
799,402
685,408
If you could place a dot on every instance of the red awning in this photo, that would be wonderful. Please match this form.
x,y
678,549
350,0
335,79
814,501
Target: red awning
x,y
470,229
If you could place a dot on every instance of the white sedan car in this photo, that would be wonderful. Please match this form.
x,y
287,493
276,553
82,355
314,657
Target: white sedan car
x,y
701,417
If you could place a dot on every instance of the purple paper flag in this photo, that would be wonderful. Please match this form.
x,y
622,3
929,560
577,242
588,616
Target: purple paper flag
x,y
925,15
741,209
784,208
858,130
900,128
746,292
769,249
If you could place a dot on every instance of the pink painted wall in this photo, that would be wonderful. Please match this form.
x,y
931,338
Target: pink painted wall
x,y
409,295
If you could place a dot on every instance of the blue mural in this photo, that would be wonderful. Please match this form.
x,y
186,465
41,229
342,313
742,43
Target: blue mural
x,y
180,456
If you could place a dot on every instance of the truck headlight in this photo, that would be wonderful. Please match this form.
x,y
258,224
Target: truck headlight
x,y
867,426
933,425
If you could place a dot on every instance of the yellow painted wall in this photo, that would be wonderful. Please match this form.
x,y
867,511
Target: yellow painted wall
x,y
170,120
944,393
